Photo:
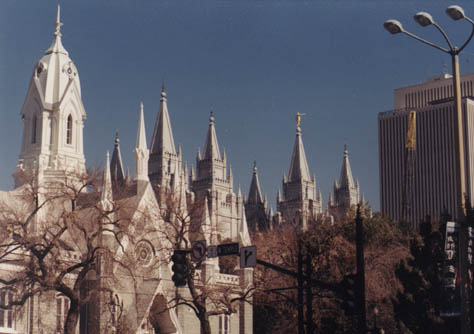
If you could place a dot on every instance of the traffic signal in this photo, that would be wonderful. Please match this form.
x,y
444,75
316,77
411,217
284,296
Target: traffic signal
x,y
180,268
348,285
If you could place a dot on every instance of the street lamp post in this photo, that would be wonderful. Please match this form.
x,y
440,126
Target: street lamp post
x,y
376,312
424,19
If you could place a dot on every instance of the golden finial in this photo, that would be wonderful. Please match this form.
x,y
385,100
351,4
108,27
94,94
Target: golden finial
x,y
298,119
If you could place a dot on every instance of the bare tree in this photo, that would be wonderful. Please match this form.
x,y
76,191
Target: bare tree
x,y
57,235
185,221
331,248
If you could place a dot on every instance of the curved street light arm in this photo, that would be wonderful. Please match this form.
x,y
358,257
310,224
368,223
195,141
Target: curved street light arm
x,y
451,46
470,37
425,41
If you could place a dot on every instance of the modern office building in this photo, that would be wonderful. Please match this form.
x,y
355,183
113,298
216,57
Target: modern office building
x,y
433,185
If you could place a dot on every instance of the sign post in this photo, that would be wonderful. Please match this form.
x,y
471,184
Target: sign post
x,y
228,249
198,250
248,257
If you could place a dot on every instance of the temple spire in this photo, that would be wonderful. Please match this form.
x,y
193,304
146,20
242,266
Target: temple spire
x,y
116,166
58,23
106,191
141,150
211,147
162,140
57,46
346,180
299,170
255,194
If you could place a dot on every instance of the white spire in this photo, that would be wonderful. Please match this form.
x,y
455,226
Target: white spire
x,y
141,136
141,150
57,45
106,191
299,170
162,141
211,147
244,230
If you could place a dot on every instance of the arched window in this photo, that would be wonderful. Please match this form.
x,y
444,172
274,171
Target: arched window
x,y
69,130
33,129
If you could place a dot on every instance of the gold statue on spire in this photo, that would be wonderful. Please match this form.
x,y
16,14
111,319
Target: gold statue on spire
x,y
411,133
298,119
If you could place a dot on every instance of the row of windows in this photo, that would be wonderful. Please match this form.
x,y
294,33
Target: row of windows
x,y
434,170
34,130
424,97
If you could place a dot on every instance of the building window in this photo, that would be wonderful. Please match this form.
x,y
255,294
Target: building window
x,y
62,308
224,324
6,316
33,129
69,130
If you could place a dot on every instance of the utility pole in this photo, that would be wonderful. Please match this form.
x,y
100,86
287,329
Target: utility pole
x,y
300,291
360,291
309,294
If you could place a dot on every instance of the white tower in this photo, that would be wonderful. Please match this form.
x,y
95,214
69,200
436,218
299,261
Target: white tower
x,y
141,154
53,115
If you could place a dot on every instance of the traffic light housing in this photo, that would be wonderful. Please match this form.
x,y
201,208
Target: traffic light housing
x,y
180,268
348,286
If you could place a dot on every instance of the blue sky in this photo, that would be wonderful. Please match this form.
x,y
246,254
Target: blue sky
x,y
257,62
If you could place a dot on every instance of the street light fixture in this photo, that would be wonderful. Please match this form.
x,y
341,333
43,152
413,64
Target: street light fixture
x,y
393,26
425,19
455,12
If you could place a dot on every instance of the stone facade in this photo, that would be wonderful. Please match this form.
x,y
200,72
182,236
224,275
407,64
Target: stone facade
x,y
52,151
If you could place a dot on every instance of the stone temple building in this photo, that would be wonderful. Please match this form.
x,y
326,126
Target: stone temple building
x,y
52,154
132,223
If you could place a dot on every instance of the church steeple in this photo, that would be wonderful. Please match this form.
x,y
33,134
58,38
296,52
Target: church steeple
x,y
256,205
106,191
163,156
53,114
116,166
346,193
299,170
300,201
141,151
162,141
211,147
211,166
345,179
214,180
255,194
57,46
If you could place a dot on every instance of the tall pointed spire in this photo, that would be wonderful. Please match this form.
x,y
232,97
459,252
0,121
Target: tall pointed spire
x,y
255,194
211,147
116,166
141,150
244,235
162,140
141,135
106,191
299,170
57,45
345,179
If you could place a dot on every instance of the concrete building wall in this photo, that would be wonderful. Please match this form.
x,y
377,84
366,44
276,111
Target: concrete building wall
x,y
434,89
434,186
